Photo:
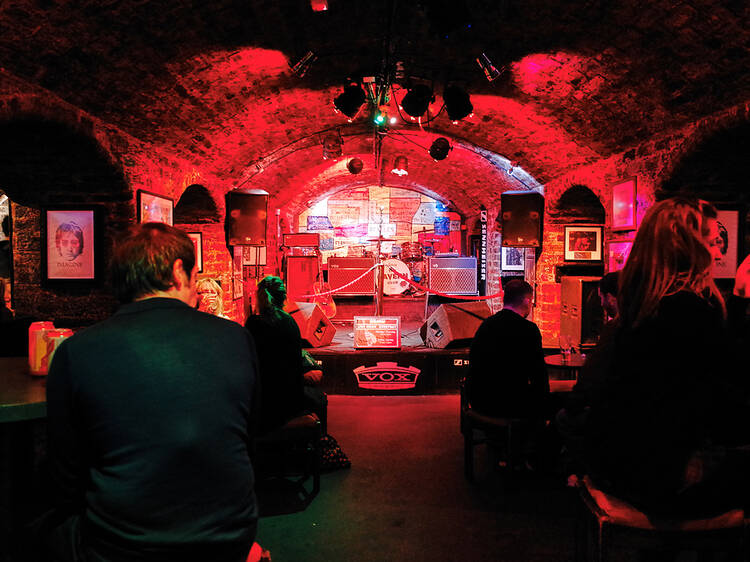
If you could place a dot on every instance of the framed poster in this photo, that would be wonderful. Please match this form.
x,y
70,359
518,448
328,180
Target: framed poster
x,y
155,208
623,204
71,245
729,231
619,250
237,291
583,243
197,239
512,258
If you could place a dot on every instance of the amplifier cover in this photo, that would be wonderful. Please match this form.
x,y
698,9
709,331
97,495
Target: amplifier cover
x,y
454,276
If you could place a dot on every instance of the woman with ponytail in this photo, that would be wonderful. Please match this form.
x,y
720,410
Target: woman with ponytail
x,y
279,346
663,406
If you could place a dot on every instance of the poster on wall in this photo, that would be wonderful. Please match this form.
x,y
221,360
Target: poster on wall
x,y
70,245
237,291
153,207
728,223
619,250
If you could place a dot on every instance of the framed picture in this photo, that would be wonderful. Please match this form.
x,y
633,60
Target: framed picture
x,y
237,291
729,231
623,204
583,243
512,258
619,250
197,239
71,245
155,208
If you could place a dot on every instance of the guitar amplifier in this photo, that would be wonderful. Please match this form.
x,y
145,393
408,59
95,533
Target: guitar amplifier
x,y
343,270
301,273
453,276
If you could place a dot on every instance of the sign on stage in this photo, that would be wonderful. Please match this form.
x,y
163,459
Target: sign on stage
x,y
377,332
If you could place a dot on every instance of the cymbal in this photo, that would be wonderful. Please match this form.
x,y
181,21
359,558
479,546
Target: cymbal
x,y
431,239
381,239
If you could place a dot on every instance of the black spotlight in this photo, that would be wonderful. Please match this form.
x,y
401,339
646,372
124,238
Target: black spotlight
x,y
354,165
440,148
457,103
417,99
350,100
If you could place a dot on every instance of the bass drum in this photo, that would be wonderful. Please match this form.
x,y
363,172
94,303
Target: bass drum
x,y
392,284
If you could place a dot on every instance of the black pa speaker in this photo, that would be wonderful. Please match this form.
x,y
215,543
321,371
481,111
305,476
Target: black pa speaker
x,y
454,325
522,214
246,217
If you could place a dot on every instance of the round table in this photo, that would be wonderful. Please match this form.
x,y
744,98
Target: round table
x,y
569,366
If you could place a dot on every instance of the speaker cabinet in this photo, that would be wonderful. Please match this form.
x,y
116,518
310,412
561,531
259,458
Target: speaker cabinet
x,y
454,325
581,314
453,276
246,217
314,326
301,273
522,214
343,270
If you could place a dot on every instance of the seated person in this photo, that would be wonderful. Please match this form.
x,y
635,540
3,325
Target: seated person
x,y
151,415
662,409
508,376
608,295
279,344
6,314
210,297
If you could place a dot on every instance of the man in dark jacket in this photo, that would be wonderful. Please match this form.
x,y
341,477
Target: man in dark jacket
x,y
508,376
150,420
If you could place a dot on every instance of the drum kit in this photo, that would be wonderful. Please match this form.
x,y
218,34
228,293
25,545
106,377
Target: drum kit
x,y
411,264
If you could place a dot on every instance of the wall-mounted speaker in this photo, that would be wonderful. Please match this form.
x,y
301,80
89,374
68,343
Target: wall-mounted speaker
x,y
454,325
247,212
314,326
522,213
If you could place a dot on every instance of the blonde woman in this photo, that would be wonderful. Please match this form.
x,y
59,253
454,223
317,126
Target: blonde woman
x,y
210,297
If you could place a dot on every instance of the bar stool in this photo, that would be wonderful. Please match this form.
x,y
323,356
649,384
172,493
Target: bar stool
x,y
616,521
291,450
478,429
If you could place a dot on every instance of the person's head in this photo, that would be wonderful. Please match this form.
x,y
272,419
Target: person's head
x,y
271,294
670,254
710,230
154,259
608,293
210,296
69,240
517,296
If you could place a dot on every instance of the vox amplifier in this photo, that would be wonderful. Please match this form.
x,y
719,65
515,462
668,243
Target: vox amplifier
x,y
454,276
343,270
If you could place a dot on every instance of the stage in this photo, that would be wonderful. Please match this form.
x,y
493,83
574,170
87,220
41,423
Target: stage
x,y
413,369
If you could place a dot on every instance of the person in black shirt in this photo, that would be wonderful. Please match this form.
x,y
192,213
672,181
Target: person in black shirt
x,y
151,417
279,343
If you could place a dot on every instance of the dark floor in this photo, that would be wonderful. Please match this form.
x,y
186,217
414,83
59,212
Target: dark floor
x,y
405,496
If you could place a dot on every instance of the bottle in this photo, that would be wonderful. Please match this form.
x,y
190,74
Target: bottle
x,y
38,346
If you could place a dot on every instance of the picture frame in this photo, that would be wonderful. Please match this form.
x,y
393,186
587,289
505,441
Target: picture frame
x,y
197,238
153,207
71,246
512,259
624,204
729,230
583,243
618,250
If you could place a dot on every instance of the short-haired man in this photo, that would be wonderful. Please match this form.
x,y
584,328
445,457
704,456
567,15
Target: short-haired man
x,y
508,376
150,419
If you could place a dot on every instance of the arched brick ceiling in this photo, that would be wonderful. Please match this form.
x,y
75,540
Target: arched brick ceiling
x,y
210,81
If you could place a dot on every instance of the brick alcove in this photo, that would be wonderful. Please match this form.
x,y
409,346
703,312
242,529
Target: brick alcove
x,y
46,163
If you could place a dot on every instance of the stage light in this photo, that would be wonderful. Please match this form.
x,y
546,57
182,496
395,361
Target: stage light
x,y
457,103
319,5
400,166
417,99
392,120
379,118
350,101
354,165
301,67
489,69
440,148
332,148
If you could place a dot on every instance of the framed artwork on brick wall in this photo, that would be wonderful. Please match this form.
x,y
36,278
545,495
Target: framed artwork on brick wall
x,y
623,204
619,250
197,239
153,207
583,242
513,258
71,245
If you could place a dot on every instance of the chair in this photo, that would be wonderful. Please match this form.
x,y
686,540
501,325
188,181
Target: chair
x,y
616,521
291,450
478,429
